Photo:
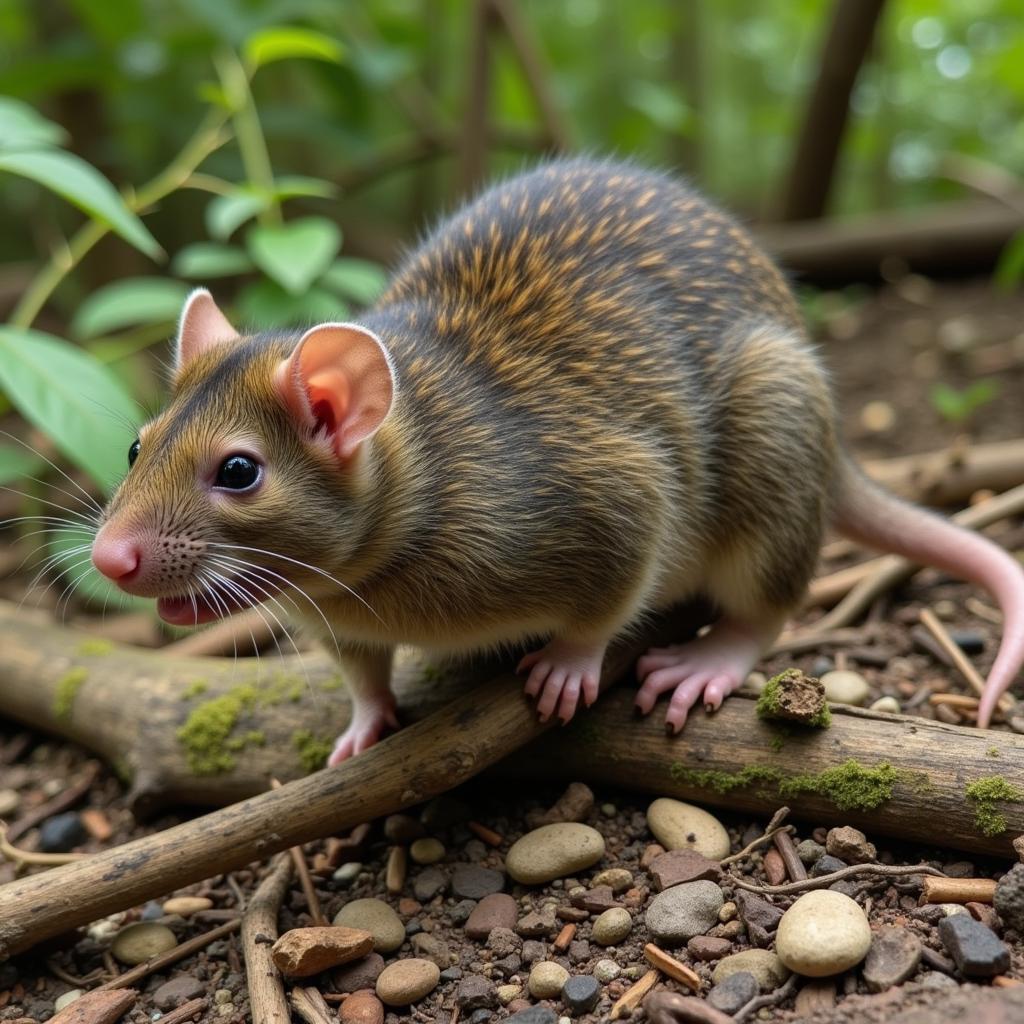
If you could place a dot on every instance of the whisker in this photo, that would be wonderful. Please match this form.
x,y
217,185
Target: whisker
x,y
74,483
61,508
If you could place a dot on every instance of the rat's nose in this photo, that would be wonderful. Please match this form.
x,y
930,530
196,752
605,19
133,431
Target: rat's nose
x,y
118,558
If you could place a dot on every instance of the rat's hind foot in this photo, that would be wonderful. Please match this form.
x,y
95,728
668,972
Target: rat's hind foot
x,y
371,719
560,672
710,667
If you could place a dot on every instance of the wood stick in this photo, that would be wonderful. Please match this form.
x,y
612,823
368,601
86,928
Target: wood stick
x,y
185,1012
634,995
787,851
259,930
305,879
669,965
958,890
310,1005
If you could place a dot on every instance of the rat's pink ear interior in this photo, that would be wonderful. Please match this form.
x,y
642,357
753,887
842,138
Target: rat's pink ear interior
x,y
338,380
201,327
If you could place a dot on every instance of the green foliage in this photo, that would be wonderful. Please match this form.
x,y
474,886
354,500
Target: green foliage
x,y
135,300
959,405
204,260
274,44
294,254
1010,267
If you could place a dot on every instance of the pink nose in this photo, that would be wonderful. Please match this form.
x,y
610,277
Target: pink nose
x,y
118,558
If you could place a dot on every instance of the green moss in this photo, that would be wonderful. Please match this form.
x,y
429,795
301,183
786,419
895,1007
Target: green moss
x,y
776,743
986,793
724,782
313,751
94,646
992,752
768,705
67,690
207,731
195,689
850,786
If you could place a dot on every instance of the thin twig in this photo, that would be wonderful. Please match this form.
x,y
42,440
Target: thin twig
x,y
787,851
61,802
824,881
186,1011
773,826
21,857
302,870
309,1004
259,930
771,999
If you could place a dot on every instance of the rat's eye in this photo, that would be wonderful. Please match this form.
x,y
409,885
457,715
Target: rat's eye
x,y
238,473
133,452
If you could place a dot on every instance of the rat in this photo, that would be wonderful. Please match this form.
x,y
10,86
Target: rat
x,y
586,396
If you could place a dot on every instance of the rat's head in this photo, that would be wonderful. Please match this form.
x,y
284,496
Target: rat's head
x,y
254,479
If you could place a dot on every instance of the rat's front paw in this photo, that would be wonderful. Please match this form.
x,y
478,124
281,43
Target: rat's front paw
x,y
560,673
370,721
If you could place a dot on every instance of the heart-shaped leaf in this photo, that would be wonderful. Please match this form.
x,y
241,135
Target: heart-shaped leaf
x,y
226,213
359,280
210,259
135,300
294,254
269,305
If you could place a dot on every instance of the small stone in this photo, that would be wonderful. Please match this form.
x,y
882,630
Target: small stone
x,y
68,998
302,952
651,851
503,941
508,965
818,995
546,979
617,879
680,826
850,845
459,912
451,974
506,993
728,912
377,918
427,851
678,866
475,993
760,917
594,901
536,925
575,804
767,969
679,913
580,994
774,867
534,1015
892,958
606,971
407,981
977,951
1009,898
889,705
62,833
10,799
534,951
554,851
609,810
579,951
612,927
362,1007
428,883
952,909
826,865
430,947
937,980
704,947
809,851
756,681
152,911
347,873
473,882
498,910
186,906
223,996
402,828
822,933
138,942
734,991
845,687
171,994
359,974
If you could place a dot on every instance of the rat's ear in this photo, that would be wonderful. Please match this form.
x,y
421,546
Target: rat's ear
x,y
201,327
338,380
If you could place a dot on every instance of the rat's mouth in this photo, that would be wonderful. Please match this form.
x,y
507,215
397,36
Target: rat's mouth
x,y
204,607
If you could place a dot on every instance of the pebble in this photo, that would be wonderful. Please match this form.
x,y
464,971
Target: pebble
x,y
826,864
890,705
818,995
617,879
774,867
606,971
473,882
892,958
760,917
977,951
347,873
475,992
407,981
9,801
580,994
186,906
506,993
546,979
728,912
756,681
809,851
430,947
62,833
362,1007
459,912
679,826
768,970
302,952
171,994
499,910
850,845
554,851
612,927
705,947
427,851
822,933
402,828
377,918
427,884
359,974
534,1015
677,914
678,866
68,998
1009,898
845,687
733,992
138,942
537,924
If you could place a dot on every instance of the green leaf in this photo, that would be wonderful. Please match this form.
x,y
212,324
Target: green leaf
x,y
1009,270
135,300
294,254
22,126
291,185
269,305
958,406
226,213
72,398
211,259
16,463
272,44
359,280
81,184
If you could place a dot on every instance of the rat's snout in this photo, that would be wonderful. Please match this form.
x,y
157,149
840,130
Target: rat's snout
x,y
119,558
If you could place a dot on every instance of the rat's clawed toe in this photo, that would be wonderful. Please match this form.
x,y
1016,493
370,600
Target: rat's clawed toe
x,y
561,673
370,722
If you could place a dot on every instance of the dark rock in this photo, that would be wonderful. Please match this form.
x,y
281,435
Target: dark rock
x,y
459,913
413,926
402,828
62,833
580,994
579,951
475,850
847,886
480,1016
359,974
451,974
443,811
173,993
985,914
536,925
473,882
534,1015
596,900
499,910
574,914
475,993
429,883
760,917
704,947
737,990
959,869
503,941
976,950
826,865
509,965
534,951
809,851
1009,898
970,641
678,866
892,958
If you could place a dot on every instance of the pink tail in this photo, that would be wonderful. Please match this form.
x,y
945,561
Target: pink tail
x,y
868,514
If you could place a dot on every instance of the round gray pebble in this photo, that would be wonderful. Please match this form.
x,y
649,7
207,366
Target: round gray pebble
x,y
580,994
